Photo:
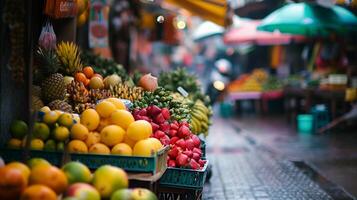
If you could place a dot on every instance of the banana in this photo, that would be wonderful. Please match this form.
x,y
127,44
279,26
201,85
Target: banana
x,y
202,116
197,125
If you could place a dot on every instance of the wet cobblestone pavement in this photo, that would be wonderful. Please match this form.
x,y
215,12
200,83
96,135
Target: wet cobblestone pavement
x,y
243,170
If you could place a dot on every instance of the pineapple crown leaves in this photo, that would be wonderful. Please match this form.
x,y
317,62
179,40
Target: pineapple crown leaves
x,y
69,55
47,61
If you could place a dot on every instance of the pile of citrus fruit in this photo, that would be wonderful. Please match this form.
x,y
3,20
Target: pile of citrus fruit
x,y
74,181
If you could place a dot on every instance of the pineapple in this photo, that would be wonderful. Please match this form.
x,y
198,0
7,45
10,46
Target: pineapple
x,y
60,105
69,55
36,102
52,87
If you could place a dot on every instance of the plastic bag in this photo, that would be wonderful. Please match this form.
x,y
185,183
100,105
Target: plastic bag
x,y
47,38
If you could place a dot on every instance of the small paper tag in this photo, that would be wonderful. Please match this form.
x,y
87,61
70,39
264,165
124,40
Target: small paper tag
x,y
182,91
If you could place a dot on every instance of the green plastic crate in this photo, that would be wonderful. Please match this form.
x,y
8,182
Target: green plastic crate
x,y
184,178
9,155
153,164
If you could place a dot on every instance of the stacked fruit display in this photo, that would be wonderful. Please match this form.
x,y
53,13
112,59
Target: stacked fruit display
x,y
185,147
200,118
74,181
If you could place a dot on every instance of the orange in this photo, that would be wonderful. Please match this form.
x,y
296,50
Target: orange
x,y
117,102
50,176
144,148
93,138
99,148
38,192
86,82
80,77
22,167
88,71
98,75
103,123
122,118
122,149
139,130
129,141
12,182
112,135
105,108
90,118
79,132
77,146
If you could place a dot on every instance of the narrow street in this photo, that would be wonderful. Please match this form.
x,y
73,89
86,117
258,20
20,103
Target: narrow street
x,y
264,159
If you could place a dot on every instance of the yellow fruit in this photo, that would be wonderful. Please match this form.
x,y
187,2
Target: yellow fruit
x,y
144,148
41,131
77,146
105,108
96,83
34,162
61,133
14,143
79,132
22,167
112,135
59,112
50,117
129,141
99,148
156,143
117,102
36,144
139,130
45,109
65,119
122,149
50,176
90,119
93,138
122,118
38,192
103,123
77,172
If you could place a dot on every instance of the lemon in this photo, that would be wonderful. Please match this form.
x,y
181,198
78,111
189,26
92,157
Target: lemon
x,y
129,141
105,108
41,131
61,133
79,132
36,144
90,118
65,119
122,118
99,148
103,123
156,143
117,103
122,149
112,135
139,130
77,146
14,143
93,138
50,117
144,148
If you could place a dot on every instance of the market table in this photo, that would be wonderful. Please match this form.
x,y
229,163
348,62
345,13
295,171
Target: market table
x,y
240,96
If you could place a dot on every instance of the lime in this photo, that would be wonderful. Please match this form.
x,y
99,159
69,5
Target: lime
x,y
61,133
18,129
41,131
60,146
33,162
50,145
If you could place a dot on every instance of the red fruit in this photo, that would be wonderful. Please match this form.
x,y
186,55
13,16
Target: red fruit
x,y
182,160
154,126
166,113
184,131
181,143
143,112
155,111
171,163
194,165
165,140
173,140
159,134
196,150
188,153
176,123
145,118
172,133
159,119
185,124
174,126
202,162
136,112
173,153
190,144
165,127
196,140
196,156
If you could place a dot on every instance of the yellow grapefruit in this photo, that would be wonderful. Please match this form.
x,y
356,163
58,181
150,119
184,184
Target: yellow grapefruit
x,y
99,148
79,132
90,118
93,138
112,135
105,108
122,149
129,141
122,118
156,143
77,146
144,148
117,102
139,130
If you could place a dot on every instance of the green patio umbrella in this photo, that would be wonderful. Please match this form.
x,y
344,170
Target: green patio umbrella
x,y
310,19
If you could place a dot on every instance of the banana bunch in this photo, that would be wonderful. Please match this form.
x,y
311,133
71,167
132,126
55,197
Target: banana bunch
x,y
123,91
69,55
200,120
